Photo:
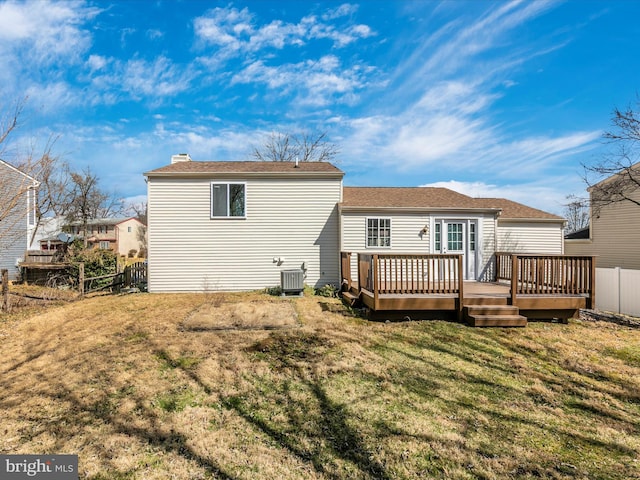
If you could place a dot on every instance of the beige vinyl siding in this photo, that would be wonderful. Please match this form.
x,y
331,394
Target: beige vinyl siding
x,y
530,237
487,227
16,211
292,219
406,236
615,237
405,233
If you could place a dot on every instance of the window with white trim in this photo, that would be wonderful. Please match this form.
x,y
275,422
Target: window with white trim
x,y
438,238
228,200
104,245
378,232
472,237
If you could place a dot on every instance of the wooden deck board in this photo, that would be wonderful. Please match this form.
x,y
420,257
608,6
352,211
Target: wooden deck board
x,y
477,293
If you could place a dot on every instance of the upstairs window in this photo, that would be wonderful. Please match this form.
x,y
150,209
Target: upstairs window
x,y
378,232
228,200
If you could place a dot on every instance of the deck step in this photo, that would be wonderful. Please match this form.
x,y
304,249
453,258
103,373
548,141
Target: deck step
x,y
484,300
498,321
492,310
350,298
494,316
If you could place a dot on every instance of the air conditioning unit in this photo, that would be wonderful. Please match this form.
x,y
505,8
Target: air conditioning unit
x,y
292,281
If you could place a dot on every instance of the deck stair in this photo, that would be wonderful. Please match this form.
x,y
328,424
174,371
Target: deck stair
x,y
494,316
351,297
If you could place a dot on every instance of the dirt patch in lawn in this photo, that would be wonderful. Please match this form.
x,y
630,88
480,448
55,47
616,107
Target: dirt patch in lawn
x,y
256,315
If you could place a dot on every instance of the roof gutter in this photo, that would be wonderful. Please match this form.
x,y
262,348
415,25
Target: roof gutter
x,y
295,174
352,208
533,220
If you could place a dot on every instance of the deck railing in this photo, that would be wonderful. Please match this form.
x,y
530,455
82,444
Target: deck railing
x,y
345,271
547,274
40,256
410,274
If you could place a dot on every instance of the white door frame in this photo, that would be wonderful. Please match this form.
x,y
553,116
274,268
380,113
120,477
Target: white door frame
x,y
471,258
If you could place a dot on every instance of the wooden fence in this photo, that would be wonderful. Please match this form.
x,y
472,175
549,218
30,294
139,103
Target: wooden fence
x,y
4,280
132,275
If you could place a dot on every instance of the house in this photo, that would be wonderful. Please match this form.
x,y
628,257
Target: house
x,y
47,235
18,192
613,234
236,225
424,220
121,235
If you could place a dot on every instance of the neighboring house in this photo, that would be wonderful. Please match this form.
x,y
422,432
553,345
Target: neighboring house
x,y
236,225
613,234
424,220
18,192
118,234
47,235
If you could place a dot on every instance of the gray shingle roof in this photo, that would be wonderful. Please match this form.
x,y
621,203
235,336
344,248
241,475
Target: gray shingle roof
x,y
436,197
248,167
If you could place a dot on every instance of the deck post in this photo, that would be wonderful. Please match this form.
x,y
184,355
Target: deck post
x,y
81,279
5,289
376,284
460,288
345,270
514,278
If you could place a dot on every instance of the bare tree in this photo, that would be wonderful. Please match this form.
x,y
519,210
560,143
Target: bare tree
x,y
305,147
140,211
23,199
85,201
616,177
577,214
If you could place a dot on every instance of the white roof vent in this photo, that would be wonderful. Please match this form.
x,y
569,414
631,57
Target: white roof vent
x,y
181,157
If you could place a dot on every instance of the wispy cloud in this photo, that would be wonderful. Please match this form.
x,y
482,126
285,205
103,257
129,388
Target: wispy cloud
x,y
346,9
550,197
316,83
45,32
440,109
236,32
138,78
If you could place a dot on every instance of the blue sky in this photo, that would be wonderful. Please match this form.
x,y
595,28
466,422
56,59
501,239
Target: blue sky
x,y
487,98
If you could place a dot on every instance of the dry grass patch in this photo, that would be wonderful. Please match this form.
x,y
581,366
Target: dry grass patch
x,y
120,382
220,314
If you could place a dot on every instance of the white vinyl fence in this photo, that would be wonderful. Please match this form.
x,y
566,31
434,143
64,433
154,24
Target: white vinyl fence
x,y
618,290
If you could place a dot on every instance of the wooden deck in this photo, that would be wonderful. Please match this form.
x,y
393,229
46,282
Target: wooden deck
x,y
393,286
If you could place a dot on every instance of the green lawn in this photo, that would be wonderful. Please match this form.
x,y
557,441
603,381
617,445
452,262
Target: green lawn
x,y
122,383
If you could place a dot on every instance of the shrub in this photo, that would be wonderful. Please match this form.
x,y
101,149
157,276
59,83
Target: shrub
x,y
327,290
97,262
275,291
132,253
